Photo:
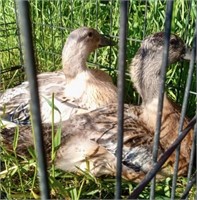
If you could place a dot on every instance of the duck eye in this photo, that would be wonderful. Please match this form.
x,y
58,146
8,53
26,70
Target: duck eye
x,y
90,34
173,42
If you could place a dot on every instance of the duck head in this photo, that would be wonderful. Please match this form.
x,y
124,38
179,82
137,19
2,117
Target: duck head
x,y
79,44
145,68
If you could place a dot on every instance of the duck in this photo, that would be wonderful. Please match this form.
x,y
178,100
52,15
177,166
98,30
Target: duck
x,y
76,88
89,140
144,64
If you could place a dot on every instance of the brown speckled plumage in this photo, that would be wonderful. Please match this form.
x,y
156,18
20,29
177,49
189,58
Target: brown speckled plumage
x,y
145,72
93,136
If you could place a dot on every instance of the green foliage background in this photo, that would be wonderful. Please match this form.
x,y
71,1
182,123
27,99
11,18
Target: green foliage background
x,y
52,22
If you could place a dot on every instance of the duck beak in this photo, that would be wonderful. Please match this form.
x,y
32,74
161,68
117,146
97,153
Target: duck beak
x,y
104,41
188,54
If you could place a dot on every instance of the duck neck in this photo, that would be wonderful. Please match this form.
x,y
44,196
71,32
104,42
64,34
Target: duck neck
x,y
149,114
74,63
145,74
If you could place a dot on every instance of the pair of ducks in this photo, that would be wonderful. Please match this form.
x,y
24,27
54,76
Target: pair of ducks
x,y
92,136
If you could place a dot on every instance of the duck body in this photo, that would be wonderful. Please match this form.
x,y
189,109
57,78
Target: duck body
x,y
76,88
97,144
16,101
91,89
92,136
145,72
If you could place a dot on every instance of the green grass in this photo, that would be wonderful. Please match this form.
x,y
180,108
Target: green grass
x,y
19,179
52,22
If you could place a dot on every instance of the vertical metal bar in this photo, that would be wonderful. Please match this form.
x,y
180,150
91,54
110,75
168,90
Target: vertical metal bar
x,y
6,32
191,166
183,112
97,12
121,77
30,68
192,157
43,30
95,53
185,35
111,24
61,22
194,144
187,19
196,193
193,153
19,41
196,119
169,8
52,28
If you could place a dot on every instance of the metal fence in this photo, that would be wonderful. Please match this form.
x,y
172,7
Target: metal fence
x,y
50,56
11,69
53,21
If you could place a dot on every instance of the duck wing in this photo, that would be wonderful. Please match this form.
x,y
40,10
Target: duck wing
x,y
92,138
100,126
15,102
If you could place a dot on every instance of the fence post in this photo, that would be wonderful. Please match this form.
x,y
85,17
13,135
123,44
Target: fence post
x,y
23,14
121,77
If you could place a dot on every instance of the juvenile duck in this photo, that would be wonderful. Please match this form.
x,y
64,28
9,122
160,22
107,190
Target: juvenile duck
x,y
92,136
145,73
76,88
